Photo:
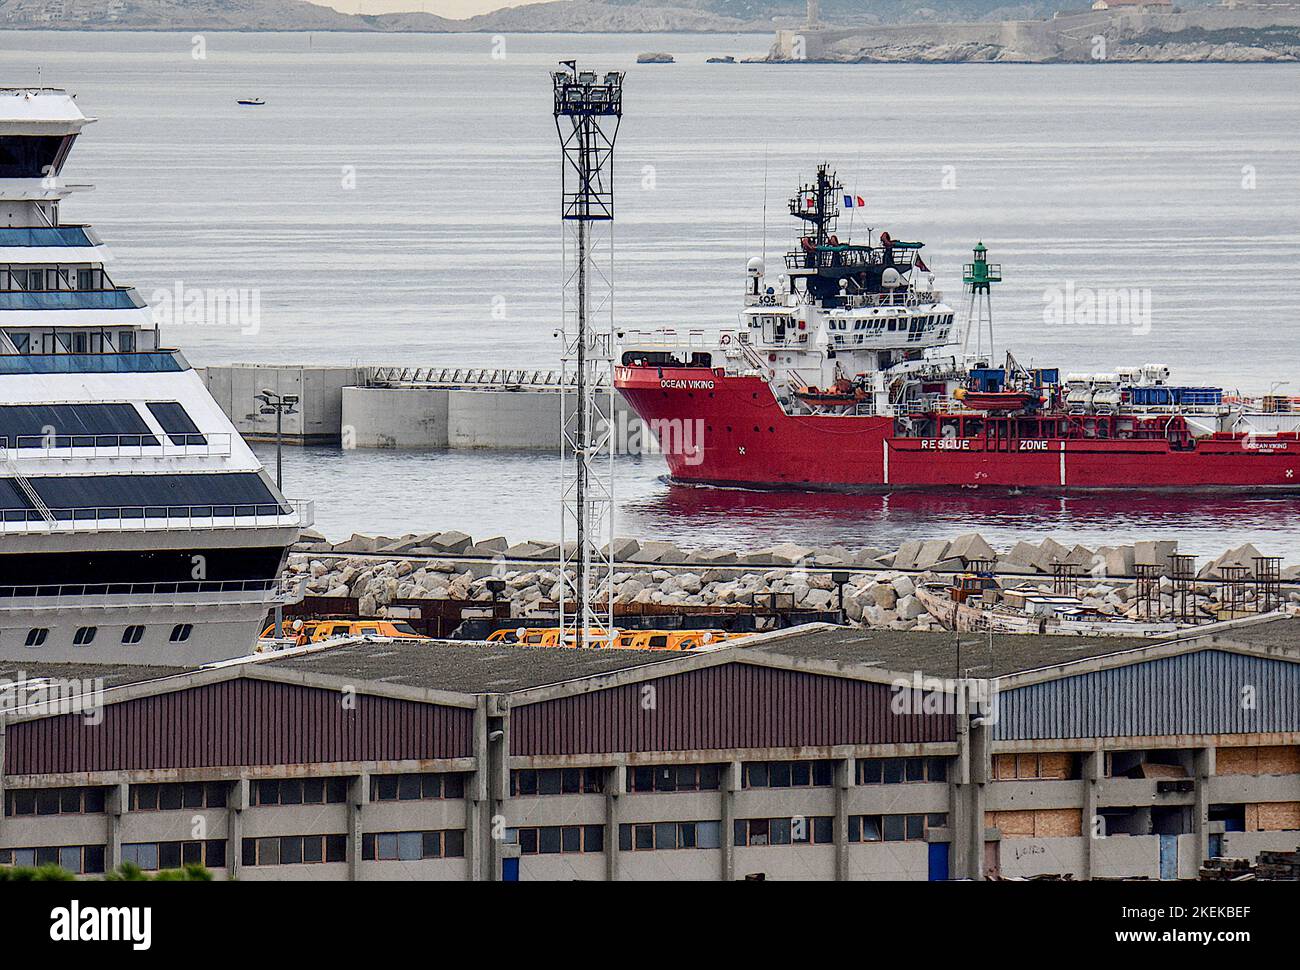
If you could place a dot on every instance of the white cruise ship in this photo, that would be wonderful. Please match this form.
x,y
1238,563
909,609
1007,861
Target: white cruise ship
x,y
135,523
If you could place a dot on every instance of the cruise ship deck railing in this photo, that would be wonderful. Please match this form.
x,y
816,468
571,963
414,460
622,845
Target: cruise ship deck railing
x,y
135,518
212,592
120,298
118,446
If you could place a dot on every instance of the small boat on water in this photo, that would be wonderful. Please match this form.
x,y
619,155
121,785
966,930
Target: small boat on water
x,y
252,102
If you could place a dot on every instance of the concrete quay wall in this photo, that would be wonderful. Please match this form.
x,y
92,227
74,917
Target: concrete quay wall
x,y
337,405
412,416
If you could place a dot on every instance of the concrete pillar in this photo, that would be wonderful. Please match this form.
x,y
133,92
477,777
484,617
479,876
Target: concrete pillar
x,y
2,774
980,737
497,778
1093,765
959,821
478,822
236,802
1204,763
116,801
730,785
358,799
615,785
844,776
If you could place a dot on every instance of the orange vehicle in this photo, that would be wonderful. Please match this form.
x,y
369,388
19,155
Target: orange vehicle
x,y
538,636
669,639
329,629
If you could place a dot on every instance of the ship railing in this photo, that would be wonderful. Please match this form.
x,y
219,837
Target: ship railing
x,y
699,339
135,518
482,377
176,445
51,596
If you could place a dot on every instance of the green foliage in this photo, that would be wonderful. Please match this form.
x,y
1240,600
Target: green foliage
x,y
45,873
126,872
130,872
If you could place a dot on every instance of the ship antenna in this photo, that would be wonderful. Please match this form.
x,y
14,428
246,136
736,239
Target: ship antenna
x,y
765,148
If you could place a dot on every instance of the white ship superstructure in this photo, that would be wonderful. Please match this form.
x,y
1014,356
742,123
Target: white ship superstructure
x,y
135,523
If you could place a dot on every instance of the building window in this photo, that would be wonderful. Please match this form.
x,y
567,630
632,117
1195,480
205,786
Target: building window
x,y
893,828
557,781
36,636
665,778
413,846
896,771
414,787
80,860
289,850
298,791
178,795
788,774
84,636
132,634
54,801
181,632
1050,766
173,855
669,835
785,831
558,839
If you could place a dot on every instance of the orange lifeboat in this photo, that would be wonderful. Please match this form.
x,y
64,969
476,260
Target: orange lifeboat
x,y
842,393
996,400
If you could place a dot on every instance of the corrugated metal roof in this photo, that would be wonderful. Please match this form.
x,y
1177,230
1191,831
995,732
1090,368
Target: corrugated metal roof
x,y
735,705
463,667
1206,692
241,721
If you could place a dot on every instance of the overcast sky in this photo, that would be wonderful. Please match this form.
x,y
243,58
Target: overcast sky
x,y
455,9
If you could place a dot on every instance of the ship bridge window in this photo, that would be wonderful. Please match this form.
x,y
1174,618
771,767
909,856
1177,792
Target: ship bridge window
x,y
173,419
32,156
72,426
91,497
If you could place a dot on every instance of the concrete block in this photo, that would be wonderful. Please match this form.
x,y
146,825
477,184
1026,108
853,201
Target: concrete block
x,y
624,548
971,546
654,551
788,554
1154,552
451,543
909,608
905,557
712,557
930,553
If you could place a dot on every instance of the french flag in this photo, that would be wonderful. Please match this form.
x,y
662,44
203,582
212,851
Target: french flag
x,y
854,202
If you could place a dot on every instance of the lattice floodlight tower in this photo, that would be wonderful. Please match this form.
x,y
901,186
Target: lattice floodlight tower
x,y
588,108
977,278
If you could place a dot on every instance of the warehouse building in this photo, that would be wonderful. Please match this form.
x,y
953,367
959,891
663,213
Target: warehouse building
x,y
815,753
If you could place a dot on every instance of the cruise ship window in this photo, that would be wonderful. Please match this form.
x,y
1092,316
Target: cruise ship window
x,y
84,636
126,342
173,419
36,636
132,634
181,632
22,342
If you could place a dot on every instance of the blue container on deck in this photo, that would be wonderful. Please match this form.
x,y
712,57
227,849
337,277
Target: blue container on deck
x,y
1164,396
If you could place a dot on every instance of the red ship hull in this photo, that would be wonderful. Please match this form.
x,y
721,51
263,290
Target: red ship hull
x,y
720,430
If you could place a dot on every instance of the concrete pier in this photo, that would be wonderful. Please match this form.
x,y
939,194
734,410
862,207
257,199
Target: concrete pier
x,y
320,399
386,407
423,416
